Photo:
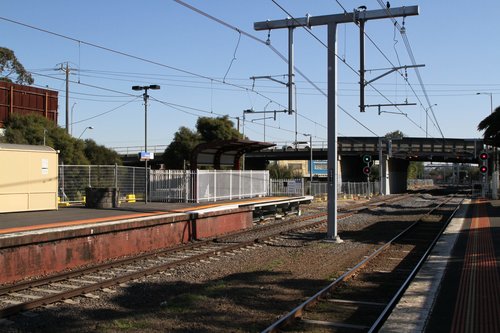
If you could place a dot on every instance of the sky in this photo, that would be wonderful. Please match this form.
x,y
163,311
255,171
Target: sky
x,y
204,66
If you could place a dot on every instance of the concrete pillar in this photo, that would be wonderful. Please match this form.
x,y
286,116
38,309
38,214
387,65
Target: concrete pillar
x,y
398,174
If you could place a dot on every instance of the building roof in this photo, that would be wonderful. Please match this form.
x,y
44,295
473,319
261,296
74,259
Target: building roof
x,y
11,146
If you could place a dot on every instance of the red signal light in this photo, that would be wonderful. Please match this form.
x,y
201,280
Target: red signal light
x,y
366,170
483,169
483,156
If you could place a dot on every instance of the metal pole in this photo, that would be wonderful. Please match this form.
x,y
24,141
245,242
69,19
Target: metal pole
x,y
290,71
332,232
145,95
311,165
67,97
381,171
290,78
361,65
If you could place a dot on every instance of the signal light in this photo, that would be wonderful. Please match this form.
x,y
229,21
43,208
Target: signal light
x,y
366,170
367,158
483,156
483,169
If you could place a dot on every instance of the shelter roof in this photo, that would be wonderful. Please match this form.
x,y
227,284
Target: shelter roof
x,y
221,153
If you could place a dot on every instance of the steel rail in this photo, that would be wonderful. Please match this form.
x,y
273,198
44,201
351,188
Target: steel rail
x,y
44,300
298,311
392,303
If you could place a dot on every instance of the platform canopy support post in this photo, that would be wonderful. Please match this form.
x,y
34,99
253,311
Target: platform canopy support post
x,y
331,21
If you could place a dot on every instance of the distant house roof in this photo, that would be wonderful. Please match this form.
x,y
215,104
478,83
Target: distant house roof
x,y
224,153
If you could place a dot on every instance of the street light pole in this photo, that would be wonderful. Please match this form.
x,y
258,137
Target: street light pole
x,y
146,96
72,119
86,128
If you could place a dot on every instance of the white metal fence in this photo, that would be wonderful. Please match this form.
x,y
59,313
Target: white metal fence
x,y
215,185
207,185
172,186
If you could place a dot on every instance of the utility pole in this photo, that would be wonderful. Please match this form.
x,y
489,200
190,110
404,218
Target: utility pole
x,y
66,69
332,21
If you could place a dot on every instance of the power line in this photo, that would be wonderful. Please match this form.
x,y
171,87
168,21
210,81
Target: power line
x,y
106,112
135,57
402,31
265,43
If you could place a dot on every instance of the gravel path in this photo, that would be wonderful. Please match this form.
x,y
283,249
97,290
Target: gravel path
x,y
240,292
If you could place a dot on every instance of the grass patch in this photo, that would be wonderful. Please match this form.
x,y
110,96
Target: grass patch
x,y
124,324
215,288
274,264
184,302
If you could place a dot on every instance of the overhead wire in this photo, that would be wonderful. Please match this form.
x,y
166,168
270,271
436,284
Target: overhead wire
x,y
265,43
132,56
402,31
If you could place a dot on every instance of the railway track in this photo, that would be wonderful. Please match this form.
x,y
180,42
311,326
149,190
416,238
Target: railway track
x,y
361,299
32,294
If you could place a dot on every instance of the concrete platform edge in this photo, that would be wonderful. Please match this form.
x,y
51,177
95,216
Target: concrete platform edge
x,y
414,308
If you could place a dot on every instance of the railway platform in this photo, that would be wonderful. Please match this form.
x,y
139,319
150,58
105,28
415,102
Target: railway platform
x,y
458,288
46,242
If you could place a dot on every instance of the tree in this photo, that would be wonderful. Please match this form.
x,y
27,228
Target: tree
x,y
100,155
415,170
277,171
185,140
395,135
33,129
491,127
9,65
179,150
220,128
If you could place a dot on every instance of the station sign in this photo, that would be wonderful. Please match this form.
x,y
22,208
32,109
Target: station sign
x,y
146,156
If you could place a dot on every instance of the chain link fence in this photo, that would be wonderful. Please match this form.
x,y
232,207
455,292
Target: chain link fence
x,y
73,179
346,188
286,187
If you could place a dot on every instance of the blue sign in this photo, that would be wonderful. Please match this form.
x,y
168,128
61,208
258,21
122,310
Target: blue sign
x,y
319,168
146,156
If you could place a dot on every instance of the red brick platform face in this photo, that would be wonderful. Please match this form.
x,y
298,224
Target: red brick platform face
x,y
49,252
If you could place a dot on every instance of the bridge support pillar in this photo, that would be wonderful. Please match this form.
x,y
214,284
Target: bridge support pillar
x,y
398,174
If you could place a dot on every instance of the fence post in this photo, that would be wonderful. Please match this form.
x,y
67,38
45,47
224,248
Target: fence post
x,y
62,181
239,184
251,184
116,176
215,185
230,184
197,185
